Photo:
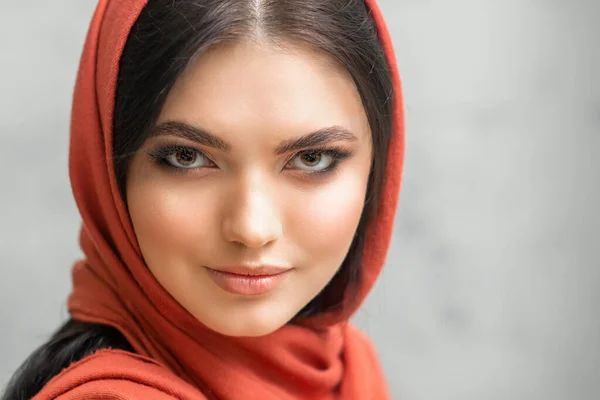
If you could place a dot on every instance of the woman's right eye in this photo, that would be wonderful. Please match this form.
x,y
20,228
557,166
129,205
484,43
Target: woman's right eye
x,y
186,158
182,158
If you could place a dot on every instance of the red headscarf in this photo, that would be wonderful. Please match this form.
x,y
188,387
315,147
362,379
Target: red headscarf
x,y
177,357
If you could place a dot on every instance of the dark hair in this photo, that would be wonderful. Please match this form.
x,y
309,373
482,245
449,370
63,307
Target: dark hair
x,y
74,341
167,36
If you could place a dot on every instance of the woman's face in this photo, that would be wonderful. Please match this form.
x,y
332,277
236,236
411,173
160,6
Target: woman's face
x,y
246,197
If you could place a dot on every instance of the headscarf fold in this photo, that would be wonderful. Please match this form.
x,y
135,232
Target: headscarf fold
x,y
177,357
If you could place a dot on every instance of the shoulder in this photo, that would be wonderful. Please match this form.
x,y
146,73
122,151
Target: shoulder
x,y
116,374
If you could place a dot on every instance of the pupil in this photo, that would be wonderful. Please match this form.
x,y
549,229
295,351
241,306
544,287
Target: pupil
x,y
186,157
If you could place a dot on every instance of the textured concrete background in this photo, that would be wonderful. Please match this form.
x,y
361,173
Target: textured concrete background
x,y
491,285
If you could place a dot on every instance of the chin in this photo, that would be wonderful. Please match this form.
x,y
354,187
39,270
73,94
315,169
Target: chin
x,y
245,331
247,323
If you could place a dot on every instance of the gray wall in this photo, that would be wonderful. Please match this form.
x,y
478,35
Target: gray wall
x,y
491,283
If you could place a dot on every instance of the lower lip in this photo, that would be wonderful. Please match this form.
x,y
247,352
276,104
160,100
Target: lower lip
x,y
247,285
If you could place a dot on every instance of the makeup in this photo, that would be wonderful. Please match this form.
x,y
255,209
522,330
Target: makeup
x,y
249,281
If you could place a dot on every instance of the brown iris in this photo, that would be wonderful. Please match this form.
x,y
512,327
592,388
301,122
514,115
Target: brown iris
x,y
311,159
186,157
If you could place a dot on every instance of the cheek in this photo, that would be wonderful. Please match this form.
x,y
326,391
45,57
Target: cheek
x,y
325,220
172,221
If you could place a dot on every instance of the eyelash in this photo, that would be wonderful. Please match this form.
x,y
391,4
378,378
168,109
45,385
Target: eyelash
x,y
337,154
160,156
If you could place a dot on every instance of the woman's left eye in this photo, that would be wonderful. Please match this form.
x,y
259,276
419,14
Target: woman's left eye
x,y
318,161
313,160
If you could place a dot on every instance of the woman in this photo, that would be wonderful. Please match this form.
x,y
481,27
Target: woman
x,y
236,164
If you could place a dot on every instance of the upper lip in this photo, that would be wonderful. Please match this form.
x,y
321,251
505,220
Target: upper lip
x,y
254,270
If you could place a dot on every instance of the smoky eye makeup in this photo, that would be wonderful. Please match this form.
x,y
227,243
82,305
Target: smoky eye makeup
x,y
317,162
180,158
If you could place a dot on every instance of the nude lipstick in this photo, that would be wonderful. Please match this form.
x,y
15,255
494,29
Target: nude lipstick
x,y
248,281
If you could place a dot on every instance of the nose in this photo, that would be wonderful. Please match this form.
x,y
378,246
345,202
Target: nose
x,y
251,216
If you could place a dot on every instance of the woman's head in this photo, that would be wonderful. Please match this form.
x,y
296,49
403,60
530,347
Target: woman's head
x,y
252,133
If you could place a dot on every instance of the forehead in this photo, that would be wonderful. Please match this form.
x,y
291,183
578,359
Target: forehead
x,y
263,89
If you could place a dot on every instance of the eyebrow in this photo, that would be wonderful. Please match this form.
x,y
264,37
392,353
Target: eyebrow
x,y
313,139
186,131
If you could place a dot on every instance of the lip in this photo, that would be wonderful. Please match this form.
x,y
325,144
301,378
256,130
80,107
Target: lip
x,y
248,281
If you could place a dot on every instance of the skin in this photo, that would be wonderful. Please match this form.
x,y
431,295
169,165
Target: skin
x,y
248,205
